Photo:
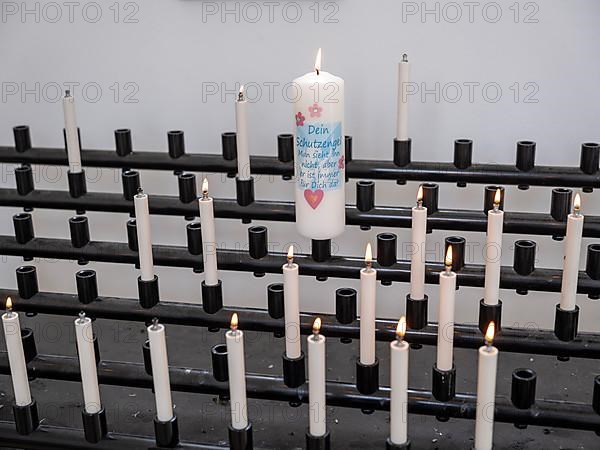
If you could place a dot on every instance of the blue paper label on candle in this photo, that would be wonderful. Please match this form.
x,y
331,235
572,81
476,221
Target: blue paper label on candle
x,y
320,159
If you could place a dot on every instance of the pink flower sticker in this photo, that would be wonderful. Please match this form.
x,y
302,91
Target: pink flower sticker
x,y
341,162
300,119
315,110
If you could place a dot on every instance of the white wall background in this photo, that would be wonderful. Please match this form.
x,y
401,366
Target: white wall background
x,y
174,50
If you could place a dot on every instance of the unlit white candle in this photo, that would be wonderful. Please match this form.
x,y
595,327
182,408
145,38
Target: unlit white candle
x,y
87,364
399,391
572,250
493,256
402,117
237,378
160,372
316,384
241,124
144,235
72,135
209,242
417,263
486,397
16,357
368,289
445,339
291,299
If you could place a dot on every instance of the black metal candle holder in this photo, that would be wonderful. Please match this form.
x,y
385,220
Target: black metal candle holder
x,y
389,445
490,313
94,425
523,388
294,370
212,297
220,368
26,418
148,292
29,346
27,282
443,383
166,433
24,179
367,377
87,286
241,439
566,323
318,442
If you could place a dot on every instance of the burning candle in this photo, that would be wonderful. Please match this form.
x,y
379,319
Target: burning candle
x,y
403,81
417,264
16,356
320,156
316,381
570,275
291,295
144,235
445,338
486,392
73,150
399,386
241,123
368,286
207,222
237,375
87,363
493,252
160,371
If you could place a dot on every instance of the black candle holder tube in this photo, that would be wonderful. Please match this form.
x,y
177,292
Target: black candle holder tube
x,y
367,377
148,292
212,297
443,383
26,418
525,156
590,158
389,445
488,198
294,370
596,394
566,323
463,153
490,313
257,242
77,183
176,143
321,249
285,147
431,193
402,149
524,260
592,265
94,425
561,204
87,286
220,369
458,244
123,144
147,357
345,305
166,433
275,304
387,249
241,439
318,442
27,282
22,138
365,195
244,191
80,231
416,312
23,225
24,179
132,241
187,187
29,347
229,145
131,183
194,238
523,388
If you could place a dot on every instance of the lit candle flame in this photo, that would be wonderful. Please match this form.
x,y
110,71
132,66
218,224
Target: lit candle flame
x,y
316,325
9,304
368,254
318,62
420,194
290,254
234,322
448,259
205,188
577,203
401,328
489,334
497,197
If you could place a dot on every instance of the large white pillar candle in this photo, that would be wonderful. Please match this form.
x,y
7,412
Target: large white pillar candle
x,y
445,339
87,364
241,124
317,411
320,156
399,386
160,371
209,242
403,82
368,289
493,252
144,235
570,275
417,263
486,392
291,299
16,355
72,135
237,375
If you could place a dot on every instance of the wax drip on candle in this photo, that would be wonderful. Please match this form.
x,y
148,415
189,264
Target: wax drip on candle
x,y
497,200
448,260
204,189
154,324
405,58
368,257
401,329
241,96
420,197
489,335
318,62
290,256
9,307
577,205
81,317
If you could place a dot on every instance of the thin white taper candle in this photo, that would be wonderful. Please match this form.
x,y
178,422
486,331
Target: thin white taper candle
x,y
417,263
237,375
402,117
160,371
241,124
572,249
144,235
317,412
16,355
445,338
399,386
72,135
368,289
493,252
87,363
209,242
291,299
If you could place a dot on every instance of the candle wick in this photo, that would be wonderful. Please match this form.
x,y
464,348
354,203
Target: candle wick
x,y
68,93
81,317
155,324
404,57
317,70
419,203
496,207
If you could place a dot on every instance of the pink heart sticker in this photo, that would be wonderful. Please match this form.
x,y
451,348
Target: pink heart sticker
x,y
313,198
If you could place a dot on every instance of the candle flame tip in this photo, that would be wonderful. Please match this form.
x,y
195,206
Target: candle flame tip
x,y
9,303
577,202
316,325
234,321
448,258
401,328
420,193
498,197
490,332
318,61
290,253
368,254
205,186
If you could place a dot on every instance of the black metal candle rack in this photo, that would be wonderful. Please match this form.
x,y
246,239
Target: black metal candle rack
x,y
442,402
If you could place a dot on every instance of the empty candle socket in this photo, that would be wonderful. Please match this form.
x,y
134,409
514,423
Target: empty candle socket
x,y
131,183
123,144
23,225
321,249
402,151
524,260
187,187
87,286
589,158
285,147
386,249
24,179
229,145
431,193
22,138
523,388
27,282
80,231
77,183
275,302
463,153
365,195
147,357
132,241
212,297
345,305
596,394
176,142
592,265
347,148
257,242
220,369
561,204
244,190
367,377
29,347
148,292
458,245
525,155
489,194
194,238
